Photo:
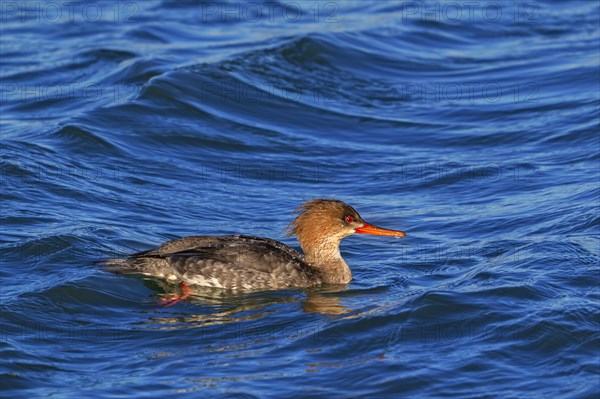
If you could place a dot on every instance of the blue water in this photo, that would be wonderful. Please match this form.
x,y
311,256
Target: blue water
x,y
472,126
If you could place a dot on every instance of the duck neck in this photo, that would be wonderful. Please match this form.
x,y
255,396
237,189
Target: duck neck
x,y
326,257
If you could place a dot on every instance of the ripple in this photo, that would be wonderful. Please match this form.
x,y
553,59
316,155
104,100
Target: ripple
x,y
81,139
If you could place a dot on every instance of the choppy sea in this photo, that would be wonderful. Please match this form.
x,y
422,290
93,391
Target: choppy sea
x,y
471,125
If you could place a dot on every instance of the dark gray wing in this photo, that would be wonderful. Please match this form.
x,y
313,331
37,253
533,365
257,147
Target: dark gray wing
x,y
197,242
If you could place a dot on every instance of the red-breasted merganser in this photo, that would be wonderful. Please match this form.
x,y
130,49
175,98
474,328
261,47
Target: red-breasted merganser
x,y
248,263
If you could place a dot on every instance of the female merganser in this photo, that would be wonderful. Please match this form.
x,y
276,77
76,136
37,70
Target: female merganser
x,y
248,263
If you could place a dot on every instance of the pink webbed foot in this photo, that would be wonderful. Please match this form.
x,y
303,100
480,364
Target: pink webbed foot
x,y
176,298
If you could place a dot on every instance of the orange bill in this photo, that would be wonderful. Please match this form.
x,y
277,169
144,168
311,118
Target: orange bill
x,y
378,231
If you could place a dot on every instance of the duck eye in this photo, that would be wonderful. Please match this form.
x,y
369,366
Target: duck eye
x,y
349,219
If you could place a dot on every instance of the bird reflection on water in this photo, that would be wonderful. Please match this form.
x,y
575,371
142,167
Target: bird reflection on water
x,y
223,307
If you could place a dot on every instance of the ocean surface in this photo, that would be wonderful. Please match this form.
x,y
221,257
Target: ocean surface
x,y
472,126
